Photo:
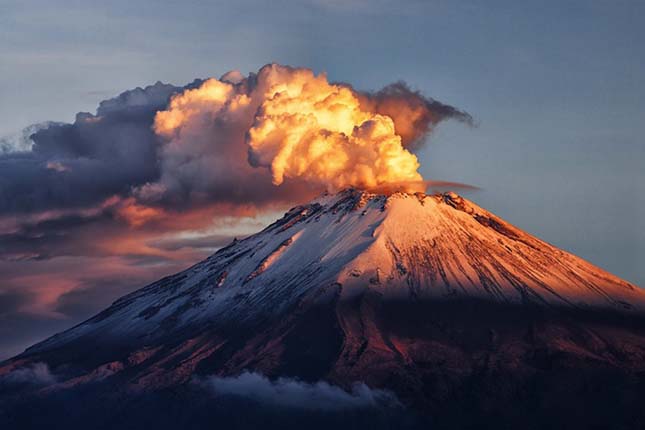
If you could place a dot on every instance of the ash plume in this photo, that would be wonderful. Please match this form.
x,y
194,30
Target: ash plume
x,y
301,128
224,142
414,114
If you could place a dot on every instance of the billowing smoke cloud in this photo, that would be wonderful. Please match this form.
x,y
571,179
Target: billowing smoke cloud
x,y
300,127
307,128
291,393
225,142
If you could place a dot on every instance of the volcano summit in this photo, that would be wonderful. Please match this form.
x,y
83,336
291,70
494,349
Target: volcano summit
x,y
461,316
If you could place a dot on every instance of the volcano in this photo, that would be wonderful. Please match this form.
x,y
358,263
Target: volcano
x,y
463,317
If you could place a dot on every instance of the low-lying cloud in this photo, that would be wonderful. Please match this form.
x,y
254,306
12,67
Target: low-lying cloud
x,y
34,374
292,393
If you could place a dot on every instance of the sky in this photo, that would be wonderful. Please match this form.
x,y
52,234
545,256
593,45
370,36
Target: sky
x,y
555,90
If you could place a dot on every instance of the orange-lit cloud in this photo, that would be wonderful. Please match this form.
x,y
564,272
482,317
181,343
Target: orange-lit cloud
x,y
310,129
135,214
303,128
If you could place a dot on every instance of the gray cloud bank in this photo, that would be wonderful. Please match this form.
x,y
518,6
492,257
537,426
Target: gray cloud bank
x,y
79,164
34,374
292,393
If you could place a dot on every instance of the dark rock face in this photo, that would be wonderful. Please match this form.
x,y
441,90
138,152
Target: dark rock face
x,y
452,365
470,363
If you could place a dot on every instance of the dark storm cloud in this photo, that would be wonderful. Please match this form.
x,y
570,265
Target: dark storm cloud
x,y
73,234
292,393
49,238
80,164
79,234
414,114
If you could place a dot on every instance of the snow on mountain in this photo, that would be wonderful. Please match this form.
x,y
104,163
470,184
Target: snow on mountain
x,y
428,297
402,247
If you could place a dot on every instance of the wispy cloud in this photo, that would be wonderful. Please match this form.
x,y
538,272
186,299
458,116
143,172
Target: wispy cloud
x,y
34,374
292,393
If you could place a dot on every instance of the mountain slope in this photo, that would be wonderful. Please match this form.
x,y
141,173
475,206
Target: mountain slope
x,y
431,297
404,246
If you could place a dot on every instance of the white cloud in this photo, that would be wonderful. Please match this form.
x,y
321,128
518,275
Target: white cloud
x,y
36,373
292,393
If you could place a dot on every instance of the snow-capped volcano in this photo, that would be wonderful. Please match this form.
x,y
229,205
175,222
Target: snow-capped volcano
x,y
413,293
402,246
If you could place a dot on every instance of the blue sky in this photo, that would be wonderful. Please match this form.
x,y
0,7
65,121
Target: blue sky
x,y
556,88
